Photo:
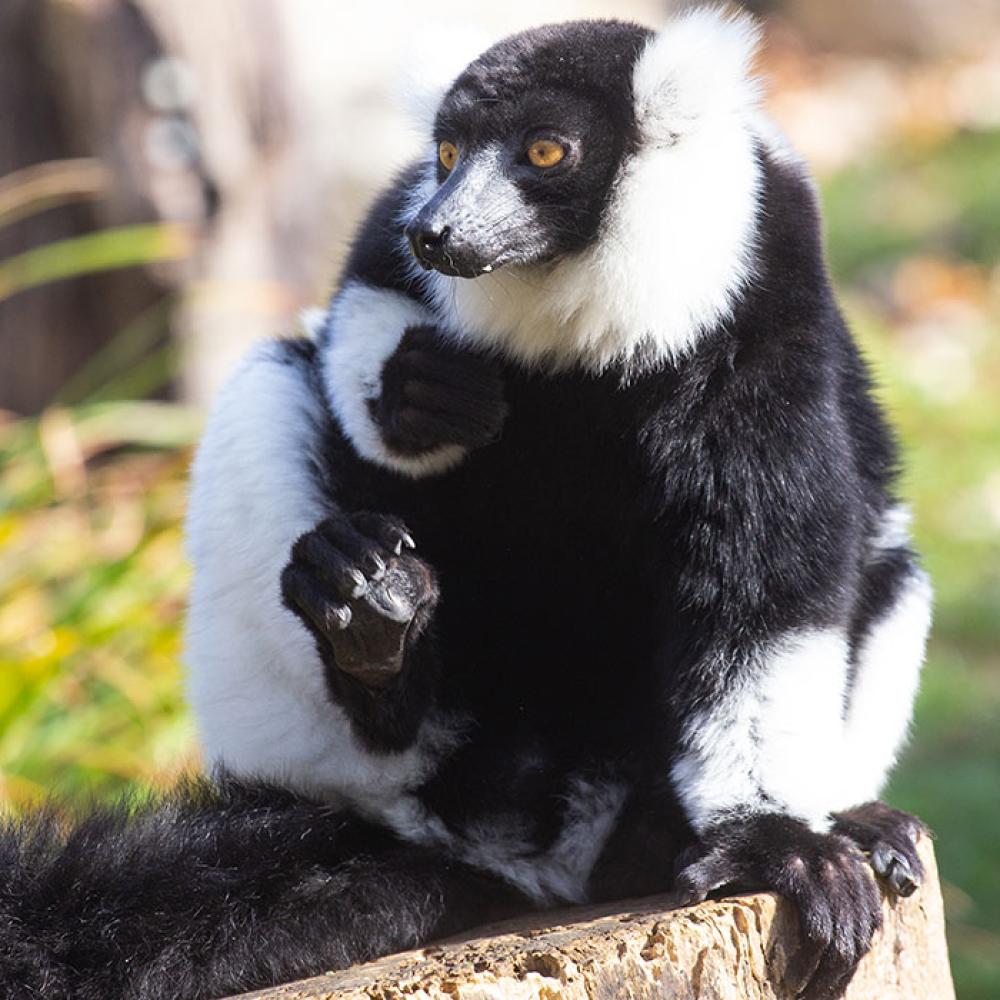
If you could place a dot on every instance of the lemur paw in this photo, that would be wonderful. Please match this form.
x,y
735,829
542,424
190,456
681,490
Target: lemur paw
x,y
356,585
889,838
825,875
434,394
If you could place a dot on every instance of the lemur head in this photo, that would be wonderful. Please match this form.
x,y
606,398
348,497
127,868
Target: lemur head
x,y
600,182
529,139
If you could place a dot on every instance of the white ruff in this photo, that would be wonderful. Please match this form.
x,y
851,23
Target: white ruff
x,y
366,325
676,245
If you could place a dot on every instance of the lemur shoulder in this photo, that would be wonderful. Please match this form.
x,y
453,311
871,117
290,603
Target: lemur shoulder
x,y
563,561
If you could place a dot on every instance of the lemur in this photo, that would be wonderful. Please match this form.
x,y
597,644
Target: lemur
x,y
562,562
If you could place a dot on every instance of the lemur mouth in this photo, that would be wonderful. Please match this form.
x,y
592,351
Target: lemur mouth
x,y
453,269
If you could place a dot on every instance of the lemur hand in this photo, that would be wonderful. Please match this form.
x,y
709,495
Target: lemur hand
x,y
434,394
825,875
357,586
889,838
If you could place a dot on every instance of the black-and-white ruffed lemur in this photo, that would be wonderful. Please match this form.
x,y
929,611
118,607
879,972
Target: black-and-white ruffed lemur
x,y
562,562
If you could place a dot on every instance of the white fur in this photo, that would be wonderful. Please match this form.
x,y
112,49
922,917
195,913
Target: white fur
x,y
366,325
312,321
696,70
779,146
255,680
676,247
888,675
501,845
437,55
786,741
894,530
776,742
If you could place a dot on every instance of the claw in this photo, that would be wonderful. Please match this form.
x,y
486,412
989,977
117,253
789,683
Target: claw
x,y
890,838
824,875
339,617
375,565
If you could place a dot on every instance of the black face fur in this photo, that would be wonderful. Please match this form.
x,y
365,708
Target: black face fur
x,y
571,86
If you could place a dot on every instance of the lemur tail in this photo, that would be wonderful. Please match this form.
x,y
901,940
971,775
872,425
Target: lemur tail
x,y
216,888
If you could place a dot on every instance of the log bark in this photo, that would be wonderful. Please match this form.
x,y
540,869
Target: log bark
x,y
731,949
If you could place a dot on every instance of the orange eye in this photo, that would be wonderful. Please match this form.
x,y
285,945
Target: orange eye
x,y
545,153
448,155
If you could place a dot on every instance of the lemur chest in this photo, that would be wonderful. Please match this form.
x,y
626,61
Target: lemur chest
x,y
545,557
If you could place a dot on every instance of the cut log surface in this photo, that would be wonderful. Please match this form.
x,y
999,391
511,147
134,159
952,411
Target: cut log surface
x,y
731,949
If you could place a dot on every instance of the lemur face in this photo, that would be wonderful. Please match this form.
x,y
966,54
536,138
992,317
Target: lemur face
x,y
529,140
603,183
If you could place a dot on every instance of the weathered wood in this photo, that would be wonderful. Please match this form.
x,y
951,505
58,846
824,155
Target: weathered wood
x,y
733,949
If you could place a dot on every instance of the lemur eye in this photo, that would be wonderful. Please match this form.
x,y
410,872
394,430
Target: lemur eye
x,y
448,154
545,153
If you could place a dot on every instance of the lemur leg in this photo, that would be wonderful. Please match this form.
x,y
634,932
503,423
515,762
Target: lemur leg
x,y
758,777
215,891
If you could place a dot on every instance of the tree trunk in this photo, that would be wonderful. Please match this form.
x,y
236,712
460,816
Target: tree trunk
x,y
733,949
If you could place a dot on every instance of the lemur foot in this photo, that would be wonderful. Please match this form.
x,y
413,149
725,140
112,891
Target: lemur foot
x,y
889,838
434,394
825,875
355,583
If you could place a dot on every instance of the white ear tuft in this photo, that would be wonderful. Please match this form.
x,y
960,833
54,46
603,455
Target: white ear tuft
x,y
435,58
696,69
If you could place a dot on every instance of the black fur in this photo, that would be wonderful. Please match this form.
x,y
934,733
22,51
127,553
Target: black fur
x,y
839,905
213,890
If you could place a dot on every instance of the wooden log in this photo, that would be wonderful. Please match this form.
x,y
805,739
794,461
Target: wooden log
x,y
731,949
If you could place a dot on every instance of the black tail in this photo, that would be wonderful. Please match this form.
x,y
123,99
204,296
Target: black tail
x,y
215,889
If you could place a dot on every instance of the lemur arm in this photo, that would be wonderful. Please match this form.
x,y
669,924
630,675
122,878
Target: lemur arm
x,y
765,516
295,421
412,403
766,534
409,398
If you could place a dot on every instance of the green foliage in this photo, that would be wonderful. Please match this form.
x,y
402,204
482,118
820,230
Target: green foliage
x,y
914,198
92,586
106,250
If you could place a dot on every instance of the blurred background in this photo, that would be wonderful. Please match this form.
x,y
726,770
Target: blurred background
x,y
178,178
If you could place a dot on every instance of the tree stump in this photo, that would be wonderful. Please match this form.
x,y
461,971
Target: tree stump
x,y
731,949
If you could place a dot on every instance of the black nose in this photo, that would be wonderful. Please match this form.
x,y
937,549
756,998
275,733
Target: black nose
x,y
428,243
